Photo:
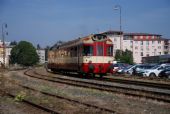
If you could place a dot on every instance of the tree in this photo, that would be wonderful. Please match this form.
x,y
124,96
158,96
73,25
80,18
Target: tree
x,y
118,55
38,46
13,43
124,56
24,54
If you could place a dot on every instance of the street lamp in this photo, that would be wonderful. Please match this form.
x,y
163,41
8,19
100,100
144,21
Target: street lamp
x,y
3,40
118,7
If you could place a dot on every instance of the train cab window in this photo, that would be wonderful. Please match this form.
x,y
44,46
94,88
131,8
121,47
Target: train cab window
x,y
88,51
110,51
100,50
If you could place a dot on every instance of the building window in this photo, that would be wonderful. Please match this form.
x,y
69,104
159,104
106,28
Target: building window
x,y
141,53
115,46
159,47
115,39
131,42
141,42
159,53
153,42
147,48
159,42
165,52
141,48
136,47
136,42
147,42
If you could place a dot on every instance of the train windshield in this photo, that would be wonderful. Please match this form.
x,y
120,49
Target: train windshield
x,y
88,51
110,51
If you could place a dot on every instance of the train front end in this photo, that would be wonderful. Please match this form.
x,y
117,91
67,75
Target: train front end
x,y
97,55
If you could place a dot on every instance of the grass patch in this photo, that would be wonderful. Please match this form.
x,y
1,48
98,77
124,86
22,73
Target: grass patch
x,y
20,96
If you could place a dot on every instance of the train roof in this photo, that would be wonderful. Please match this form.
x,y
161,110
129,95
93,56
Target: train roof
x,y
85,39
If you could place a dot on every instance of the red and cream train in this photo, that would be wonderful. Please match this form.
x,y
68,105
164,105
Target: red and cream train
x,y
90,54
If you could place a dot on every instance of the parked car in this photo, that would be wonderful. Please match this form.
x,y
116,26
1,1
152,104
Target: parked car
x,y
121,69
140,69
165,73
129,69
154,72
117,68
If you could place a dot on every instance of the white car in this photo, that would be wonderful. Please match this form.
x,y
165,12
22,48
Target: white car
x,y
154,72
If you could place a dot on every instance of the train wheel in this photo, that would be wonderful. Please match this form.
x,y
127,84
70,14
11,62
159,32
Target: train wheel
x,y
101,75
93,75
80,74
83,75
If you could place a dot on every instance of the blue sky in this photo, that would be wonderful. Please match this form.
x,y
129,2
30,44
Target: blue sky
x,y
45,22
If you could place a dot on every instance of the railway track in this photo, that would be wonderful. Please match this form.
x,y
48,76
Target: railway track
x,y
137,92
127,81
142,83
33,104
59,97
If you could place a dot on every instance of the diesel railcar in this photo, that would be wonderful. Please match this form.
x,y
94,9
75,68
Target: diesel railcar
x,y
91,54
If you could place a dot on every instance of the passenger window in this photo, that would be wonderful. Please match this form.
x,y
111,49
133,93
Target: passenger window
x,y
110,51
88,51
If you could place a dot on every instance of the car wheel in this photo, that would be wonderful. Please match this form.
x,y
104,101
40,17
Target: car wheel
x,y
168,76
152,75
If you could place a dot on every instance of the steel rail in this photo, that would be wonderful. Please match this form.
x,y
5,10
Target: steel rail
x,y
123,90
34,104
127,81
64,98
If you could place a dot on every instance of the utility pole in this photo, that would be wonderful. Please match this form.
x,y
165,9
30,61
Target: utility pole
x,y
118,7
3,40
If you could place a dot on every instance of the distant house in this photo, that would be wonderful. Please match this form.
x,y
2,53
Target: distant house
x,y
8,49
41,54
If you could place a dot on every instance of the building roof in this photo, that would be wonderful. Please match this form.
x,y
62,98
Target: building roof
x,y
113,32
141,34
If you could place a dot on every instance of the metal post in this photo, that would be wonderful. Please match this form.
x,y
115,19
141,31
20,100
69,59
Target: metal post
x,y
120,23
3,40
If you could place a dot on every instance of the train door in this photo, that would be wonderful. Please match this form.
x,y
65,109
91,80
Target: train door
x,y
79,56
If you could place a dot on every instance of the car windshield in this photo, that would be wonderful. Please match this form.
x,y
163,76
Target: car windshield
x,y
155,67
128,67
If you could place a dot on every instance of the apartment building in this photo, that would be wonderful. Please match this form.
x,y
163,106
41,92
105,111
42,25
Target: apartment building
x,y
141,44
7,53
41,54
